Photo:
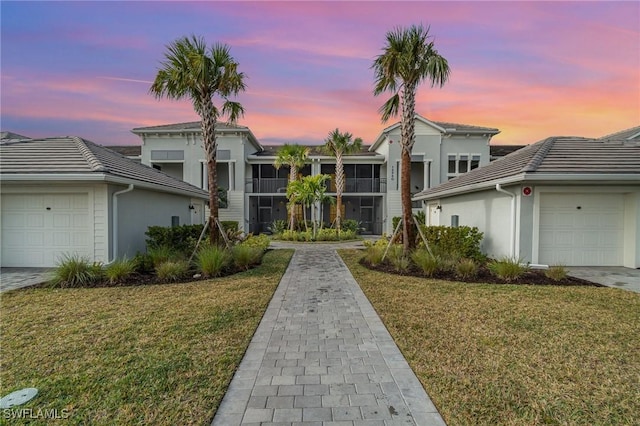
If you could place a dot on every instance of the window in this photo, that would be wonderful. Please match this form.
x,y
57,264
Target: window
x,y
461,163
475,161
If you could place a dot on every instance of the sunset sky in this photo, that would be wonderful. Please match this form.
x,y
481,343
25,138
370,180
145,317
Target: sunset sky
x,y
530,69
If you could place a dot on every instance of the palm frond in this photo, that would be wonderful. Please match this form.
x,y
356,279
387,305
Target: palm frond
x,y
390,108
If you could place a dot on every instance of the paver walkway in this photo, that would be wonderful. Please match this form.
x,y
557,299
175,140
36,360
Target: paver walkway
x,y
321,356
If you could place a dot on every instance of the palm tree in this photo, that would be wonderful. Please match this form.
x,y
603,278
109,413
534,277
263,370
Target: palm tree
x,y
294,156
192,70
408,58
338,144
308,191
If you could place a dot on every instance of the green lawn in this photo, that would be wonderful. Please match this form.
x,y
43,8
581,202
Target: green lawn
x,y
514,355
159,354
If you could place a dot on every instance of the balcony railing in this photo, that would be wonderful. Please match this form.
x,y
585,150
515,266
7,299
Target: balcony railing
x,y
267,185
355,185
352,185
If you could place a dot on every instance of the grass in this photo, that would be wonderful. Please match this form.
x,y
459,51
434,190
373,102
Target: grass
x,y
514,354
160,354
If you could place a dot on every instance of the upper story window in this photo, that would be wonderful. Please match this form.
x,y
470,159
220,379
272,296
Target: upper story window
x,y
458,164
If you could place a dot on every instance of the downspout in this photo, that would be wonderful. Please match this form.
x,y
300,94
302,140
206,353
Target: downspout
x,y
513,218
115,221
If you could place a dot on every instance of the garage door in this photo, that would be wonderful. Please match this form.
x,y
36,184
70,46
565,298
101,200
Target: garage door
x,y
581,229
39,228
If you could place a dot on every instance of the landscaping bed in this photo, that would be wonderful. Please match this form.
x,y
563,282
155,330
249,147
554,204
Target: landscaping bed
x,y
531,276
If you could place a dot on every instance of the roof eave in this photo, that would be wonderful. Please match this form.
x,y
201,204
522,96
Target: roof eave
x,y
561,178
95,177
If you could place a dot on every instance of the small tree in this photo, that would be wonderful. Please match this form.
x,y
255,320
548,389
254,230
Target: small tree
x,y
293,156
339,144
308,191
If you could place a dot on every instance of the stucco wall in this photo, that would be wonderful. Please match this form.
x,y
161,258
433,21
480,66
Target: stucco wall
x,y
489,211
632,230
139,209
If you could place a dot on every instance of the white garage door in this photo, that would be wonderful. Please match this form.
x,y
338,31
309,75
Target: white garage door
x,y
581,229
37,229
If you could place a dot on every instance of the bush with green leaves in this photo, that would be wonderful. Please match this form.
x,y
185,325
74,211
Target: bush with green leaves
x,y
382,242
462,241
466,269
119,270
212,260
181,239
556,272
74,270
171,271
244,256
508,268
278,227
350,225
428,264
261,241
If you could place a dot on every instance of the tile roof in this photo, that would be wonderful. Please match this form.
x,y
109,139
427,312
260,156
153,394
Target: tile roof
x,y
567,156
463,128
195,127
192,125
68,155
631,133
127,150
11,136
502,150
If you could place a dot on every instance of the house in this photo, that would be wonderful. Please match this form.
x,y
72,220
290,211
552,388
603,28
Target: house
x,y
564,200
256,190
68,195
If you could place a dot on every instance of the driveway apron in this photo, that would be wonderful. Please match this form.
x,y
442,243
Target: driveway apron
x,y
322,356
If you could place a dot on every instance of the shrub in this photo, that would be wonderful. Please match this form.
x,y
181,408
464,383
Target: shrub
x,y
278,227
508,269
427,263
181,239
119,270
228,225
381,242
261,241
172,271
350,225
244,256
75,271
211,261
556,272
463,241
466,269
162,254
143,262
397,258
373,255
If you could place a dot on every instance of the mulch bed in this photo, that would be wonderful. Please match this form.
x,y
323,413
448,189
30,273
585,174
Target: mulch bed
x,y
531,277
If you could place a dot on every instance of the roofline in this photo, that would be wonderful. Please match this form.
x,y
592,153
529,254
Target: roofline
x,y
97,177
600,178
443,130
150,130
610,178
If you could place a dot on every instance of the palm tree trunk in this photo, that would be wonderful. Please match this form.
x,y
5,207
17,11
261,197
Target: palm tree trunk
x,y
210,148
339,189
293,171
408,135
